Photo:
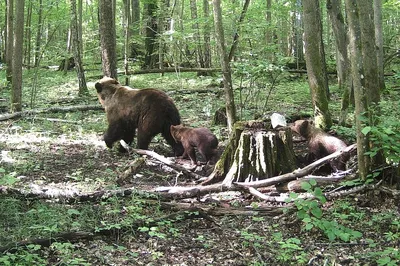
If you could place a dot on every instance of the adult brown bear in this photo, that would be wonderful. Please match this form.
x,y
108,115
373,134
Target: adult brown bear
x,y
321,143
150,111
202,138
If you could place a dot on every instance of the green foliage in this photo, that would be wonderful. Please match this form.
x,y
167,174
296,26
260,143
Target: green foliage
x,y
7,179
311,214
23,257
289,250
384,134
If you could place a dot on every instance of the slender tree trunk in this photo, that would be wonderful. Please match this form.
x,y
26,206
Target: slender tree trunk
x,y
207,30
226,70
236,36
39,34
128,32
151,35
379,42
83,90
196,28
342,59
10,39
135,17
360,94
107,38
28,33
16,94
315,60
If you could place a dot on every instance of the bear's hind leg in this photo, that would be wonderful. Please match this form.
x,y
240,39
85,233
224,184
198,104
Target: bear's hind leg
x,y
143,140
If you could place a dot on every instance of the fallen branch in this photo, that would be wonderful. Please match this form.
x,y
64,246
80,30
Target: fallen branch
x,y
296,173
64,109
166,161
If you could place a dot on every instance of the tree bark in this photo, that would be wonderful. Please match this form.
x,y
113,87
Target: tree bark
x,y
342,59
150,20
16,94
83,90
357,72
379,42
226,70
196,28
315,61
207,30
107,38
39,34
236,36
10,39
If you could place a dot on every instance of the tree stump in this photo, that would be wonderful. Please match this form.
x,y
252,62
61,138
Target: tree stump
x,y
255,152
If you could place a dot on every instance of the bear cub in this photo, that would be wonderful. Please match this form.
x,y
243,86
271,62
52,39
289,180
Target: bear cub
x,y
202,138
320,143
150,111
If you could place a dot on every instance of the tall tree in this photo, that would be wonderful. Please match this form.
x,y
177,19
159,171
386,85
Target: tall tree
x,y
10,38
315,60
150,20
107,38
207,38
236,36
76,40
16,94
342,60
379,41
39,34
196,28
357,73
226,70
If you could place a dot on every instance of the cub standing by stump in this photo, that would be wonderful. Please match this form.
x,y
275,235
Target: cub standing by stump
x,y
202,138
320,143
150,111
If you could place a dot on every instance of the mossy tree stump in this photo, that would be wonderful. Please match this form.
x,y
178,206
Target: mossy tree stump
x,y
255,152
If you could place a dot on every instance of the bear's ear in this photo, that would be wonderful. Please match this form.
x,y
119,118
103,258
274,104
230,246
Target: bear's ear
x,y
98,87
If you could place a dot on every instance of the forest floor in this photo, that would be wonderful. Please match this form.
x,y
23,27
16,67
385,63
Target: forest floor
x,y
38,154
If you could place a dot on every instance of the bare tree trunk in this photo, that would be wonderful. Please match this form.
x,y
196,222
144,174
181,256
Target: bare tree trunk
x,y
10,39
135,17
128,33
39,34
236,36
315,60
150,42
342,59
107,38
226,70
199,50
16,93
207,30
379,42
83,90
357,72
28,33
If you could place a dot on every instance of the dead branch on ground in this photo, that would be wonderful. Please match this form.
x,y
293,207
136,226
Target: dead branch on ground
x,y
57,109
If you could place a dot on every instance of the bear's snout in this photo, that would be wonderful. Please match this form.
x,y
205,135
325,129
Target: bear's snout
x,y
98,87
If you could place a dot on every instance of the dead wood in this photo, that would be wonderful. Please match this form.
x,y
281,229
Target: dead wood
x,y
57,109
131,169
173,70
296,173
167,161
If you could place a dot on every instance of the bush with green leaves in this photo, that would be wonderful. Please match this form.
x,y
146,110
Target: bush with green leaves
x,y
309,211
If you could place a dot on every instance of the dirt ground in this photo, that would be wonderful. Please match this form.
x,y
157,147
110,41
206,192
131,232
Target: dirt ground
x,y
84,164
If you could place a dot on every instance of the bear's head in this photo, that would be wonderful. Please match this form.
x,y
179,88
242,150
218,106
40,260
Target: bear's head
x,y
176,132
105,88
303,127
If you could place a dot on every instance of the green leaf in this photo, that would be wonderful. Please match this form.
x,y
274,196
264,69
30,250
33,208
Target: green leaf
x,y
366,130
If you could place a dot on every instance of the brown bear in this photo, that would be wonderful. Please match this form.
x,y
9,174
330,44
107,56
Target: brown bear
x,y
150,111
321,143
202,138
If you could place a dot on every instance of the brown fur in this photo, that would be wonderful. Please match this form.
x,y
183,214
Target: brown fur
x,y
321,143
150,111
202,138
